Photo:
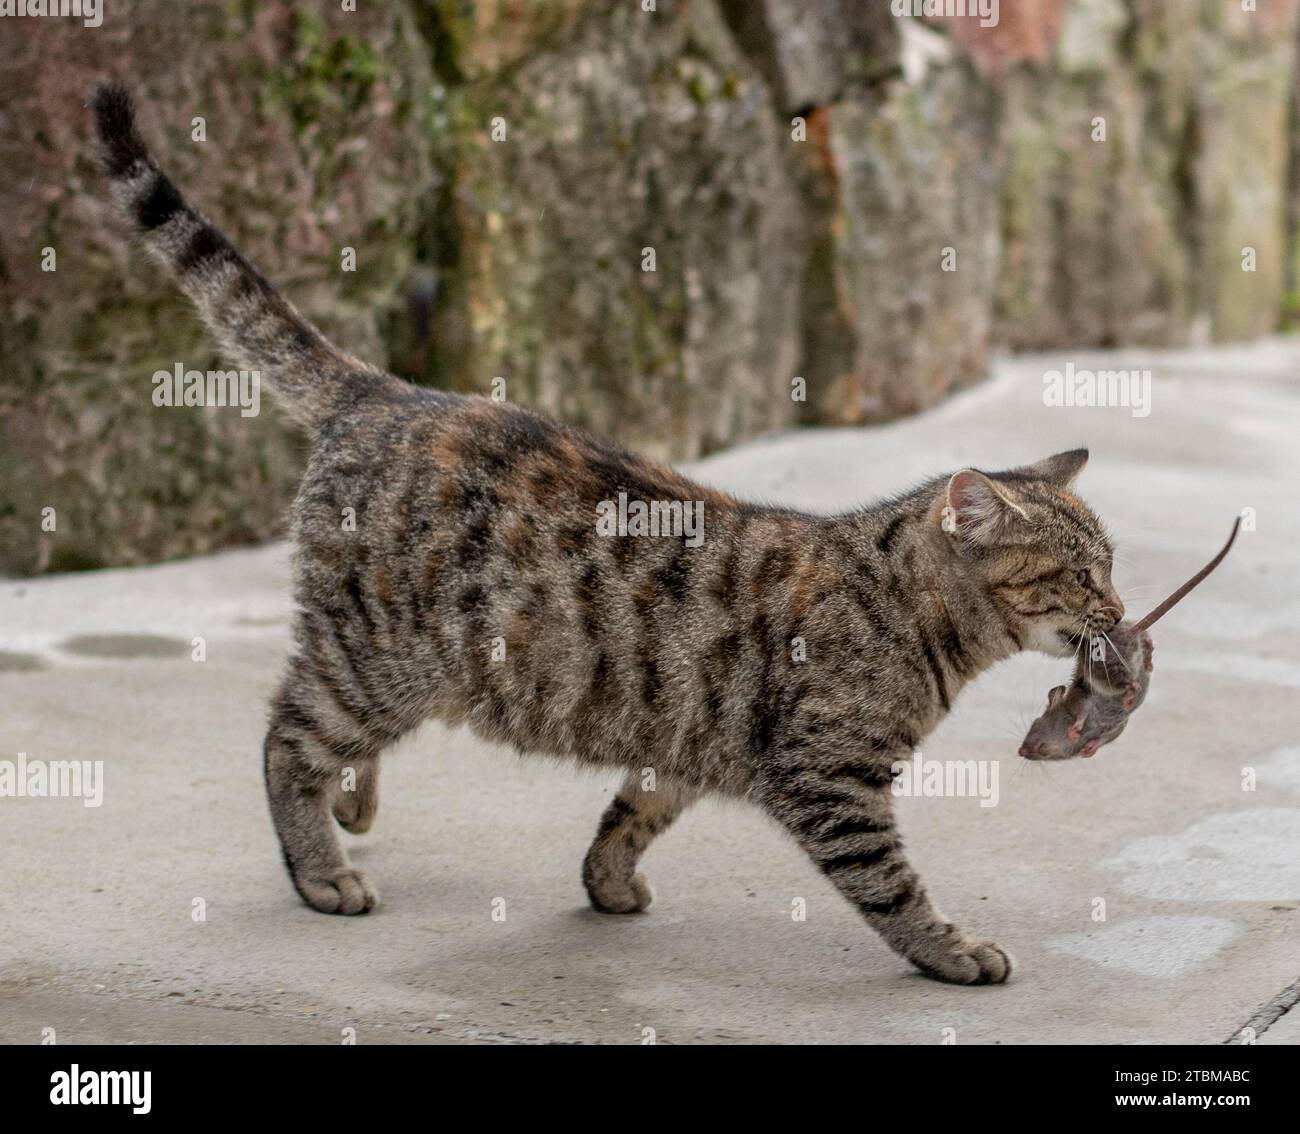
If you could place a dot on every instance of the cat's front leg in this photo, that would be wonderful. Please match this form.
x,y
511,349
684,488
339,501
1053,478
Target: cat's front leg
x,y
848,829
637,814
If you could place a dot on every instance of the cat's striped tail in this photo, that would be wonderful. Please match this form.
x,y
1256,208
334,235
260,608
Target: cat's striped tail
x,y
258,326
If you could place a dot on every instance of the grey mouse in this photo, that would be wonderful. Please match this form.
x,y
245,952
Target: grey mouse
x,y
1108,684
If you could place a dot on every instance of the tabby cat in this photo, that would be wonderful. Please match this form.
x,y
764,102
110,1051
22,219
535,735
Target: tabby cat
x,y
788,659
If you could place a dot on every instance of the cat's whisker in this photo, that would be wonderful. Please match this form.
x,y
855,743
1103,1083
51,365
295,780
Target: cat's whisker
x,y
1116,651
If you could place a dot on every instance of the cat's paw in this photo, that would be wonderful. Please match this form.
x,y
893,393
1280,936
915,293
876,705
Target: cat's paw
x,y
346,892
620,895
968,962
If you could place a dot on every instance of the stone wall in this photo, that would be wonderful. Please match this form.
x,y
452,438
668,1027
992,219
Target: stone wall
x,y
316,139
827,192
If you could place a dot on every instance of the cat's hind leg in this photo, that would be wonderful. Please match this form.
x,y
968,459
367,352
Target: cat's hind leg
x,y
311,743
846,825
628,826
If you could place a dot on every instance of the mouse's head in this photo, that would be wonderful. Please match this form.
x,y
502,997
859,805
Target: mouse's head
x,y
1080,719
1040,553
1055,734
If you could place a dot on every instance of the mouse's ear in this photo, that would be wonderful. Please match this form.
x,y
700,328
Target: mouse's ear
x,y
979,510
1059,469
1054,696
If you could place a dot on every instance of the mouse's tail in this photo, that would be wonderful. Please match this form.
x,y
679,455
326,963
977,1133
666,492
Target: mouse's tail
x,y
257,325
1188,586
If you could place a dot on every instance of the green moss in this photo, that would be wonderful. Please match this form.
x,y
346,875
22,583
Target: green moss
x,y
442,28
70,557
242,11
324,76
699,88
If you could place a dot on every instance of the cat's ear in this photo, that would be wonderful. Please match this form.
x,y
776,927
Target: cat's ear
x,y
1059,469
980,510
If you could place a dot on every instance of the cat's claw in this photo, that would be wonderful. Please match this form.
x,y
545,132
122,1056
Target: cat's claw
x,y
347,892
973,962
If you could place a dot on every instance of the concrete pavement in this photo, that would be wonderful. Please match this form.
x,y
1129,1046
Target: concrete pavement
x,y
1199,879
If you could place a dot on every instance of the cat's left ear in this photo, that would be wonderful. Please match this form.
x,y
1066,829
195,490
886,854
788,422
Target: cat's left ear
x,y
1060,469
980,510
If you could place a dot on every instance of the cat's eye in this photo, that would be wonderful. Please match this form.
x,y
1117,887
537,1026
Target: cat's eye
x,y
1084,576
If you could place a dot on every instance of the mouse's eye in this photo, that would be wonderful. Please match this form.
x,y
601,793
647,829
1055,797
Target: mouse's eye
x,y
1084,576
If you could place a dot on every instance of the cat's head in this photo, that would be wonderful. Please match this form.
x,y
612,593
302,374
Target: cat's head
x,y
1039,551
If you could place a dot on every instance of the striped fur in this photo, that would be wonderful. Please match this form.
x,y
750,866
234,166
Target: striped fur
x,y
790,659
259,328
